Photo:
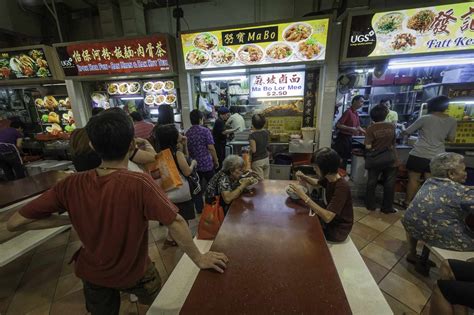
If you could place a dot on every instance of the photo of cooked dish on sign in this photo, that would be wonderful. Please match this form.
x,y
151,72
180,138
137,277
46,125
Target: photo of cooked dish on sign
x,y
112,89
148,87
279,52
309,49
223,56
421,21
123,88
205,41
169,85
149,99
133,87
39,102
160,99
23,65
170,99
297,32
389,23
403,42
290,109
250,54
197,58
158,86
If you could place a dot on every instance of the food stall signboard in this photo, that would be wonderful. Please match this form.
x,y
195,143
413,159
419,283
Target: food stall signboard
x,y
24,64
277,84
414,31
267,44
144,54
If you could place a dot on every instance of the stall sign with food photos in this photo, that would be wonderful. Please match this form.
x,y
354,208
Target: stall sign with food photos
x,y
433,29
144,54
24,64
277,84
289,42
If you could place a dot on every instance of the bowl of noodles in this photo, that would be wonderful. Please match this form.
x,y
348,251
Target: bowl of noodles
x,y
309,49
297,32
421,21
389,23
279,52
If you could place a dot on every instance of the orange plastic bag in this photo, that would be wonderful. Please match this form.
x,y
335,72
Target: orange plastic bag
x,y
168,170
211,220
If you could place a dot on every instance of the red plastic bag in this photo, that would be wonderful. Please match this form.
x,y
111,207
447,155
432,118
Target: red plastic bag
x,y
211,220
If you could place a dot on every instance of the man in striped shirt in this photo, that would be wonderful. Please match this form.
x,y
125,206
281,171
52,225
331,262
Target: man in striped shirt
x,y
142,128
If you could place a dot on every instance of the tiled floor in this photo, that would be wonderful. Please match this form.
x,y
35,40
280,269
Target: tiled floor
x,y
42,282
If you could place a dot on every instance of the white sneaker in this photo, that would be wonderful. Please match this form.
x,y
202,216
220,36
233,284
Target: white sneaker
x,y
133,298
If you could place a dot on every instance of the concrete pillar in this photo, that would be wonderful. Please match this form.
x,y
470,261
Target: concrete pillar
x,y
328,85
133,17
110,19
81,109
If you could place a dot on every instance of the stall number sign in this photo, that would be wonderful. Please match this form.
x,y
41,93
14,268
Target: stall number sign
x,y
433,29
277,84
145,54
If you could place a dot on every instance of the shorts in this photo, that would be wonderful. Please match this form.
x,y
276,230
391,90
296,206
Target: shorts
x,y
418,164
101,300
461,290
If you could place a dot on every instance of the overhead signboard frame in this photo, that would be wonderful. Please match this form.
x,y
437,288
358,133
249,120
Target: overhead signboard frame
x,y
255,45
440,29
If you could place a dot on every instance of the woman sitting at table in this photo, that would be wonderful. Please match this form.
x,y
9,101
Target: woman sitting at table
x,y
337,217
435,215
225,184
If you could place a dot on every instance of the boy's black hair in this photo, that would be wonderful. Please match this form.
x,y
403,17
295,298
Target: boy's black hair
x,y
111,133
195,116
379,113
438,104
258,121
327,160
166,137
17,124
97,110
165,115
136,116
356,98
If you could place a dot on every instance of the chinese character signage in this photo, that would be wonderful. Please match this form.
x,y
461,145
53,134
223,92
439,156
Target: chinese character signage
x,y
427,30
310,96
277,84
145,54
24,64
267,44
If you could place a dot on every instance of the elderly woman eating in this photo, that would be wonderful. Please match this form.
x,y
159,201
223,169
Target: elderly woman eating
x,y
435,215
227,183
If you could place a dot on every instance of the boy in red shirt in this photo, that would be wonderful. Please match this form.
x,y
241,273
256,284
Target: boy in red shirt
x,y
110,208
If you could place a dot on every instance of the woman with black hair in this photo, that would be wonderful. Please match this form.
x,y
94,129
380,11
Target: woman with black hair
x,y
168,137
433,130
338,216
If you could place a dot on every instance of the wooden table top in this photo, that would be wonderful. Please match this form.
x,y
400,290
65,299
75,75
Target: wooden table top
x,y
15,191
279,261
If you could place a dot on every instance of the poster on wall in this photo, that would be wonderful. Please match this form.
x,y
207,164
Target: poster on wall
x,y
144,54
277,84
266,44
414,31
24,64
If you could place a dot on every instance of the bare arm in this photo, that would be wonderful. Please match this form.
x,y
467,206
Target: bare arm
x,y
17,222
180,232
212,150
253,146
183,165
19,143
324,214
146,154
346,128
230,196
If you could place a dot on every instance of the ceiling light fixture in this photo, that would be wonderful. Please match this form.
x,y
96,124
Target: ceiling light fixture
x,y
406,64
225,78
214,72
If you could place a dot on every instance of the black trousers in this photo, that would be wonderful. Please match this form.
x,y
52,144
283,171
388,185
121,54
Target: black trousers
x,y
220,150
205,178
389,175
12,166
343,146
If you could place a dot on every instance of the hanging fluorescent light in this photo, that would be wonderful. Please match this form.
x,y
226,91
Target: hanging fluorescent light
x,y
364,70
419,63
213,72
462,102
54,84
132,98
279,99
225,78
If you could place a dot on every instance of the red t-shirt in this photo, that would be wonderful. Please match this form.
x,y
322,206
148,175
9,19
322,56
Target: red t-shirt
x,y
143,129
110,214
350,118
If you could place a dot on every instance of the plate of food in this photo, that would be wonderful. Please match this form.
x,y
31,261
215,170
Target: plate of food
x,y
402,42
205,41
160,99
292,193
113,88
98,97
170,99
50,102
297,32
389,23
149,99
309,49
250,54
158,86
123,88
197,58
148,87
421,21
223,56
133,87
279,52
39,102
168,85
252,185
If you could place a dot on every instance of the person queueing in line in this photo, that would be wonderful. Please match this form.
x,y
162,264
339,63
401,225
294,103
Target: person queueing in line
x,y
110,207
220,133
11,140
347,127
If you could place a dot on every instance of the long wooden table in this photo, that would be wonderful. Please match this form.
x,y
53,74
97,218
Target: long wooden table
x,y
279,261
18,190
